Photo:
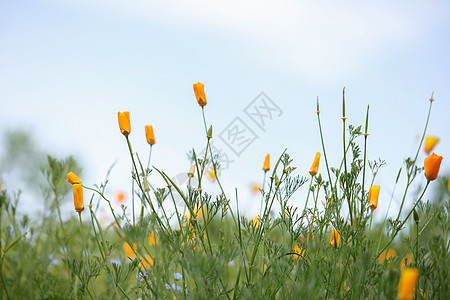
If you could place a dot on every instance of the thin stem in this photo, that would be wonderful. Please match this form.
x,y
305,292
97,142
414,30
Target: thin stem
x,y
215,168
307,197
149,156
415,158
401,225
425,129
133,169
365,160
109,203
323,145
389,206
344,118
82,236
262,194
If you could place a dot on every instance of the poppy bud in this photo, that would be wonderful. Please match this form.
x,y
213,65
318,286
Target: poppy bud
x,y
416,216
72,178
199,90
191,171
432,165
373,196
151,239
255,222
146,185
335,238
407,284
209,133
315,166
430,142
124,122
266,166
149,134
78,197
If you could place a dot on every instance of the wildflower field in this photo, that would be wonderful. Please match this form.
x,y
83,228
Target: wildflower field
x,y
329,247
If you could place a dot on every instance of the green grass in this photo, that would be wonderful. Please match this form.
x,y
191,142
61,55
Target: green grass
x,y
217,250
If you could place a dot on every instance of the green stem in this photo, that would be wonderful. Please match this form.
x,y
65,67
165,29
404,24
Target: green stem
x,y
323,146
344,118
262,194
133,169
417,154
309,191
109,203
215,169
387,212
364,164
83,245
149,157
401,225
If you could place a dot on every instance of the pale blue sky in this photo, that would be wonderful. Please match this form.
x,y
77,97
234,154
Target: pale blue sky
x,y
67,68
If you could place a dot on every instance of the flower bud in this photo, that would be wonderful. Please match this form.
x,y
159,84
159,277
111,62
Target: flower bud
x,y
199,90
72,178
373,196
149,135
407,284
430,142
78,197
315,166
335,238
209,134
432,165
416,216
191,171
146,185
266,166
124,122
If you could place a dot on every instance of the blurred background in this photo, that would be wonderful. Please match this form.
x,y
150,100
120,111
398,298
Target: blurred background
x,y
68,66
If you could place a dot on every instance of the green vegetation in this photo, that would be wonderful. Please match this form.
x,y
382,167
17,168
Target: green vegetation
x,y
213,251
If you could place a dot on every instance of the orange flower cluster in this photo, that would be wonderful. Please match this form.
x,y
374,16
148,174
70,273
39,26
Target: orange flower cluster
x,y
125,127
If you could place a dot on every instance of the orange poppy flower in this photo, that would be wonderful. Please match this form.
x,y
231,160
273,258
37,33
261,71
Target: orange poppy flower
x,y
255,222
130,252
299,250
266,166
199,90
407,284
149,134
72,178
373,196
78,197
432,165
335,238
121,197
124,122
430,142
151,239
315,166
146,262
